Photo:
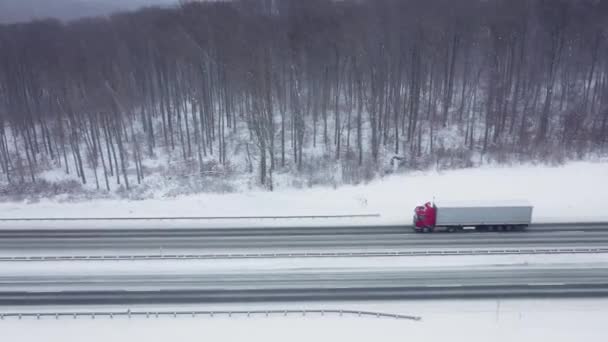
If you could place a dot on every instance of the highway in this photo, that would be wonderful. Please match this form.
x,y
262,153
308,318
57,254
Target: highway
x,y
118,284
381,238
306,285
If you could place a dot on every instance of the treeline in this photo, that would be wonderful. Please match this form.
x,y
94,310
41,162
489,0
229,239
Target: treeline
x,y
356,78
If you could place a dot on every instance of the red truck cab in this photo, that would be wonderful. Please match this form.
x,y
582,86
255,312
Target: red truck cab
x,y
425,216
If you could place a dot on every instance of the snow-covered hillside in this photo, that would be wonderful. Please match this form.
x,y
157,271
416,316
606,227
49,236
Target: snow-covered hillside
x,y
573,192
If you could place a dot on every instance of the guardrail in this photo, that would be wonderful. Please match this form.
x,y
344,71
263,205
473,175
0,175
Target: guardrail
x,y
521,251
191,218
176,314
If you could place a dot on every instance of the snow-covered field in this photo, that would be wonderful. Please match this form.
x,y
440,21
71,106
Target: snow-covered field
x,y
574,192
471,321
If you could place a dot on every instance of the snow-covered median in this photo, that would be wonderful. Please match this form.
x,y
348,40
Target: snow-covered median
x,y
316,265
573,192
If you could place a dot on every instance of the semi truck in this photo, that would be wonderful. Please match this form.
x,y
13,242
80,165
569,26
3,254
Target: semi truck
x,y
457,216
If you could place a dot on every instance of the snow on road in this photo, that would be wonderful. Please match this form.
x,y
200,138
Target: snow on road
x,y
553,320
573,192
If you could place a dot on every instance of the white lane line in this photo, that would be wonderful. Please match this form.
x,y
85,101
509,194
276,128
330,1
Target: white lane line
x,y
448,285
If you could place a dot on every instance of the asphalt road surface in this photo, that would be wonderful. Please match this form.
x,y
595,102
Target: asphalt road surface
x,y
306,285
130,241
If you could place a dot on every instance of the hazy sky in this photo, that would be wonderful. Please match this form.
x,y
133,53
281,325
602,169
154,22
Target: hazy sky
x,y
24,10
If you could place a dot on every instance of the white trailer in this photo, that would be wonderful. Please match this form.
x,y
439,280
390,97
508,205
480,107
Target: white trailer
x,y
499,215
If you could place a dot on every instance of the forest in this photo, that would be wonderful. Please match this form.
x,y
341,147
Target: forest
x,y
267,87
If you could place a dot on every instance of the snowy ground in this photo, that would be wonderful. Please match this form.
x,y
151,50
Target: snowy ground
x,y
471,321
574,192
240,266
